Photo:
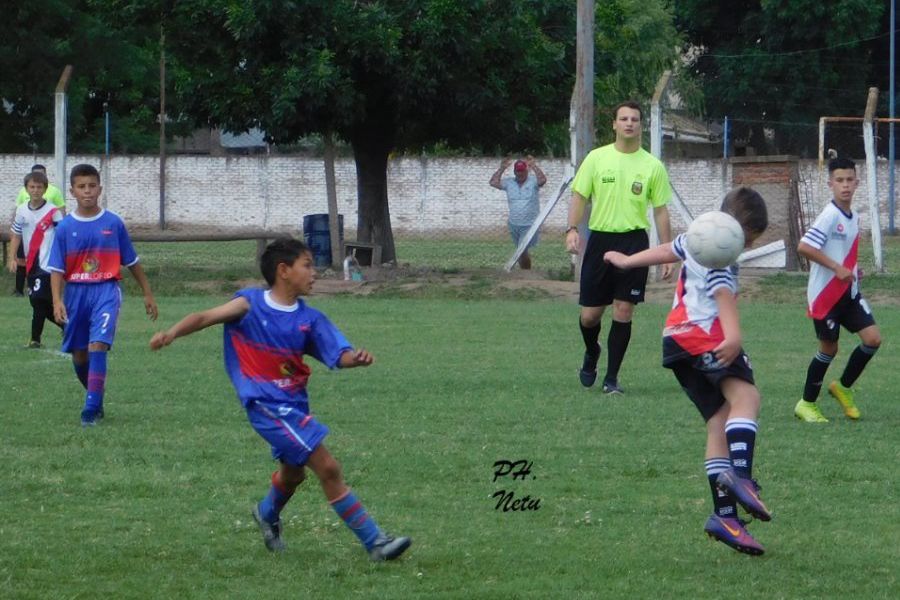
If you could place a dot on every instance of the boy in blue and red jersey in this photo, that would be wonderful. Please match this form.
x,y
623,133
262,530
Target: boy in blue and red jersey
x,y
267,334
90,246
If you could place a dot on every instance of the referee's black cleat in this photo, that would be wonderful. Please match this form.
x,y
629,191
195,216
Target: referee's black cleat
x,y
588,373
612,387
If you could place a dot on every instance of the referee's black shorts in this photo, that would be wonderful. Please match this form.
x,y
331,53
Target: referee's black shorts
x,y
601,283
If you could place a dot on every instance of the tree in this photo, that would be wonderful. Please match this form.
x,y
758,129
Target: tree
x,y
635,42
42,37
385,76
779,64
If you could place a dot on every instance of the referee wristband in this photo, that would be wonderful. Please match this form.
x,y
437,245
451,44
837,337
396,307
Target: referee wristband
x,y
572,228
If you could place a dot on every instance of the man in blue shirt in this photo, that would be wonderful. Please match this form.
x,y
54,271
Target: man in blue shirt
x,y
522,195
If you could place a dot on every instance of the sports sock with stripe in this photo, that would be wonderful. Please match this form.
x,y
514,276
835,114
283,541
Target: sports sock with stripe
x,y
722,503
741,436
354,514
96,381
815,375
279,494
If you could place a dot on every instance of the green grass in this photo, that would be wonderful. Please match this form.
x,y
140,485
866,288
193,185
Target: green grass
x,y
154,503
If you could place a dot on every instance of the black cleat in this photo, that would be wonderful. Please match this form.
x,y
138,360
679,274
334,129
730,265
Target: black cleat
x,y
588,373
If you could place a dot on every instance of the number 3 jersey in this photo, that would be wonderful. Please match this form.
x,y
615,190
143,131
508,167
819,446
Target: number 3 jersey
x,y
693,326
36,226
264,350
836,234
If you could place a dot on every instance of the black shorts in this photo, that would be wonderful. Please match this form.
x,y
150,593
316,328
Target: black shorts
x,y
853,314
38,285
701,378
601,283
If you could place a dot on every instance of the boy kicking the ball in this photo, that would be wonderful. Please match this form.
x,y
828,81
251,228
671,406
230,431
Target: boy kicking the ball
x,y
267,334
831,245
702,346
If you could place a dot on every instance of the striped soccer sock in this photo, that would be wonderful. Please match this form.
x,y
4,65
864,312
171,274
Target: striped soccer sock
x,y
815,375
722,503
741,436
96,382
278,496
354,514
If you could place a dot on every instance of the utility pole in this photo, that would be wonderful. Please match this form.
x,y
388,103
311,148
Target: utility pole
x,y
581,115
162,127
60,117
892,203
583,95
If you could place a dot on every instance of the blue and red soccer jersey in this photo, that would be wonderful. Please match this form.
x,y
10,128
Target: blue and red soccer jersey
x,y
264,350
264,353
91,250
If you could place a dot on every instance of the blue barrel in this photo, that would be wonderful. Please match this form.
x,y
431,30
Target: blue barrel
x,y
318,237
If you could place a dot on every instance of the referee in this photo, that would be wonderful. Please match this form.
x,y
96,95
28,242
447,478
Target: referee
x,y
621,180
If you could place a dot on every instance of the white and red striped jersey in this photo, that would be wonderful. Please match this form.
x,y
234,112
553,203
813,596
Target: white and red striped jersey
x,y
693,323
836,234
36,226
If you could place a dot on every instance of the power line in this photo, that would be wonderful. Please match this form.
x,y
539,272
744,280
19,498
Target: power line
x,y
796,52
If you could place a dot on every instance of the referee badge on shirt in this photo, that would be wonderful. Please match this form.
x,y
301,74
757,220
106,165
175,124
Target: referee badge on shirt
x,y
637,187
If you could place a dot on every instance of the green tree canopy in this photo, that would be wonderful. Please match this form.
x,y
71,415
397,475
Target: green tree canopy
x,y
781,64
40,39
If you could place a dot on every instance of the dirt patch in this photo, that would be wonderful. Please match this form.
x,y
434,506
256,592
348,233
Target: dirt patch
x,y
407,281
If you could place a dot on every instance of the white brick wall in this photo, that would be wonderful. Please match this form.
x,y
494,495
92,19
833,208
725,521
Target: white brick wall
x,y
428,196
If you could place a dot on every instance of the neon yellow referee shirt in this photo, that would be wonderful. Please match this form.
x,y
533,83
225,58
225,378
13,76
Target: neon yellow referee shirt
x,y
620,187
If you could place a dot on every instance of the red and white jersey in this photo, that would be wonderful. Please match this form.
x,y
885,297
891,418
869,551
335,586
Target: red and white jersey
x,y
693,323
836,234
36,226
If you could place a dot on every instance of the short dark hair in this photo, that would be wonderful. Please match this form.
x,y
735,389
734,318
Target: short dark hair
x,y
747,206
37,176
840,163
283,250
39,167
83,170
627,104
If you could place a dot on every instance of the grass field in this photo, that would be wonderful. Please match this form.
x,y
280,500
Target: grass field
x,y
154,503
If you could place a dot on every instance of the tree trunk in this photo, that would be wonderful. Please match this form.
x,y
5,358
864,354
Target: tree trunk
x,y
371,151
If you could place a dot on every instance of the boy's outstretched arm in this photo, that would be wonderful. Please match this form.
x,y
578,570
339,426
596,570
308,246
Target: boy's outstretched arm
x,y
658,255
231,310
356,358
730,347
149,302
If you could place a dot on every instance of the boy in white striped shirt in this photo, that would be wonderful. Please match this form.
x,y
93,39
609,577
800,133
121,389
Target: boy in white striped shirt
x,y
832,246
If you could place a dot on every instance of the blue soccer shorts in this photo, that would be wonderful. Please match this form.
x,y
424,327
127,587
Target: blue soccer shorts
x,y
93,312
292,433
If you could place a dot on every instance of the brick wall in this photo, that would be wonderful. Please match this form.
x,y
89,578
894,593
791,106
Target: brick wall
x,y
428,196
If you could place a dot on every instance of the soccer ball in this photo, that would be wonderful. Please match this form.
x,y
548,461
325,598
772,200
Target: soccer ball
x,y
715,239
